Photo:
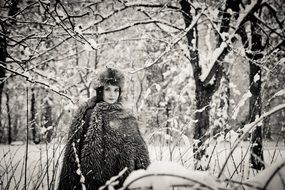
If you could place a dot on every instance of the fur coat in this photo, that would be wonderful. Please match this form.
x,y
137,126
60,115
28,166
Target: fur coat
x,y
105,145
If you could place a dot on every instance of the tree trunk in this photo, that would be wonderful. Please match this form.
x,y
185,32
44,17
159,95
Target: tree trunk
x,y
204,91
256,156
167,113
36,138
203,99
3,54
47,118
15,126
13,9
225,99
221,117
10,138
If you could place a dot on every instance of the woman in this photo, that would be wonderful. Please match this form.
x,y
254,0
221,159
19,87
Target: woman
x,y
103,139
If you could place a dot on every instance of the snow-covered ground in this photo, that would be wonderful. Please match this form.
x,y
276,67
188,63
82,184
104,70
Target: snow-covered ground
x,y
237,166
13,175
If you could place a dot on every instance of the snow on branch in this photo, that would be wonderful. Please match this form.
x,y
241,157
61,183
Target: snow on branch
x,y
213,60
279,93
201,110
152,21
241,103
128,6
49,49
29,79
248,10
147,5
220,51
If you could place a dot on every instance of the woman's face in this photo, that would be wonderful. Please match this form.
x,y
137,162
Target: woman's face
x,y
111,94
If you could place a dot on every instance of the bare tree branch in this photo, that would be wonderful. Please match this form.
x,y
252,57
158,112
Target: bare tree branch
x,y
144,22
270,28
171,44
19,12
273,11
38,82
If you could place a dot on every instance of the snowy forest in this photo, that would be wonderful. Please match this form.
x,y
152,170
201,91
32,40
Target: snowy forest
x,y
204,78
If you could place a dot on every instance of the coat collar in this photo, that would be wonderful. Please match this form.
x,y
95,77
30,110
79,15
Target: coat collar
x,y
104,106
116,110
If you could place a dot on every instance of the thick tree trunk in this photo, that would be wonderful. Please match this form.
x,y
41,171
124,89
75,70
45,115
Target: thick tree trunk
x,y
203,99
256,157
204,91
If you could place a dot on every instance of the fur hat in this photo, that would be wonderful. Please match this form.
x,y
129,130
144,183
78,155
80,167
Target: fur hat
x,y
110,76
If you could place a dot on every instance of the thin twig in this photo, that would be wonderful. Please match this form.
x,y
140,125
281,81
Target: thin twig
x,y
27,138
170,45
273,174
276,145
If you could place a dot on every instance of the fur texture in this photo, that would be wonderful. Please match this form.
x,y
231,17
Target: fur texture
x,y
109,76
111,143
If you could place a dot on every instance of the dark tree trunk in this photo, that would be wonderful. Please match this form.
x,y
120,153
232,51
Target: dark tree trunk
x,y
36,138
47,118
10,136
226,100
3,55
221,123
256,157
203,99
167,112
15,126
225,91
13,9
204,90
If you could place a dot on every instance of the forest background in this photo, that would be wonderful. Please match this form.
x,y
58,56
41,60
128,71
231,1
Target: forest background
x,y
196,71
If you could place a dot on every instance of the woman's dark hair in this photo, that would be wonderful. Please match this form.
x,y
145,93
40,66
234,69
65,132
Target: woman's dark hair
x,y
100,92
